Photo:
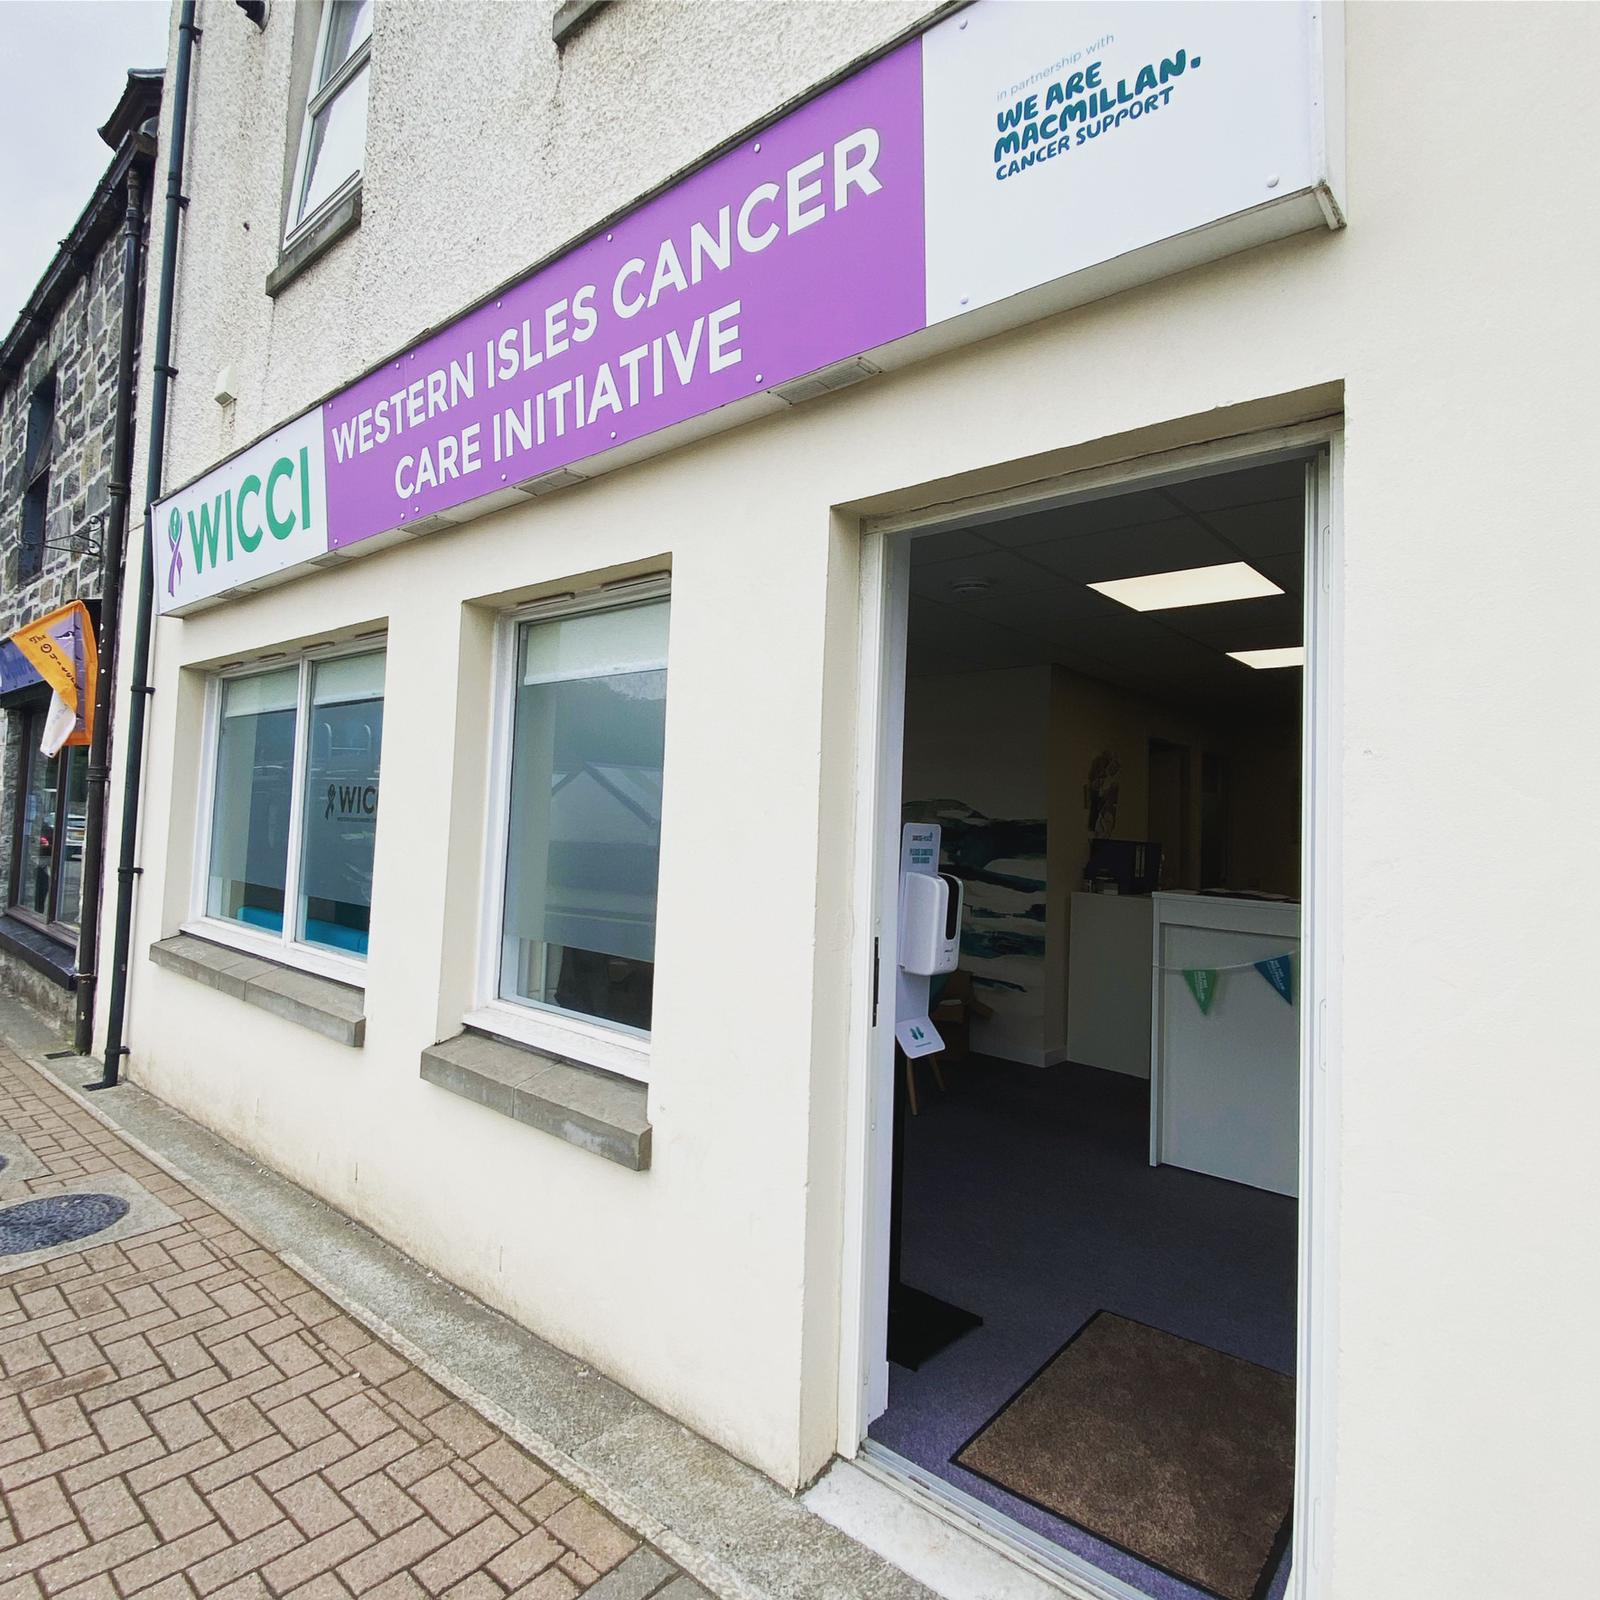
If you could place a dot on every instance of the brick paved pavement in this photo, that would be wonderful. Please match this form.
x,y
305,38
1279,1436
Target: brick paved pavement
x,y
183,1418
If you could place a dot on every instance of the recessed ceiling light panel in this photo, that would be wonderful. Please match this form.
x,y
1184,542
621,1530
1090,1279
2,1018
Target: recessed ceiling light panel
x,y
1194,586
1293,655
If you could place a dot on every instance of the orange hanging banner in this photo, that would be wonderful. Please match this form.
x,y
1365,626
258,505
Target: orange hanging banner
x,y
60,647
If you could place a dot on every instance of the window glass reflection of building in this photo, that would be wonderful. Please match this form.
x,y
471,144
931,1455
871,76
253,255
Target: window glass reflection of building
x,y
341,803
48,885
294,802
585,814
250,818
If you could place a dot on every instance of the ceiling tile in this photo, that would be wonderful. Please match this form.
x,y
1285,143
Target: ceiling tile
x,y
1007,575
1167,546
1041,608
1037,607
942,639
1242,624
1284,480
1272,528
1072,522
948,545
1287,571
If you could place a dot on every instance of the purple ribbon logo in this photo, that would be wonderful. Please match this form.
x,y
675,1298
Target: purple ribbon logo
x,y
175,539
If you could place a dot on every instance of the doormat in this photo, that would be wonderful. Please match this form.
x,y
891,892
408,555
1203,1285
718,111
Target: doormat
x,y
1171,1451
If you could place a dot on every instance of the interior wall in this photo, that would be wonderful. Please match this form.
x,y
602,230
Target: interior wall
x,y
1003,760
1090,720
1263,800
975,762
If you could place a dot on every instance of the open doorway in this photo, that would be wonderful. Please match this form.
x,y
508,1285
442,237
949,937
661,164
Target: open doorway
x,y
1096,1178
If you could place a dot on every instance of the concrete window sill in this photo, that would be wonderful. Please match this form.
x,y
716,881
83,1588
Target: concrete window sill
x,y
586,1107
335,1010
341,218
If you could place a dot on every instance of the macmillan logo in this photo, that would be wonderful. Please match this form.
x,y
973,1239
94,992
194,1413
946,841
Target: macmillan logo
x,y
1080,106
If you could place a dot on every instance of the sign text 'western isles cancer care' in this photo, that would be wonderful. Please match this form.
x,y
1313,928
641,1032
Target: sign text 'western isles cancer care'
x,y
801,247
709,343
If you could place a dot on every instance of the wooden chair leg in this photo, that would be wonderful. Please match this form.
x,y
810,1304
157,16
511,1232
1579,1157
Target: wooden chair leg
x,y
938,1076
911,1085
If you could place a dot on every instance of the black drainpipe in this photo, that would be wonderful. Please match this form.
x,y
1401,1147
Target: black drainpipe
x,y
111,559
139,690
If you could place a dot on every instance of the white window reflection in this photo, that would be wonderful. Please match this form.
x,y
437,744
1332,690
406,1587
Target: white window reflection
x,y
333,138
585,815
294,802
343,761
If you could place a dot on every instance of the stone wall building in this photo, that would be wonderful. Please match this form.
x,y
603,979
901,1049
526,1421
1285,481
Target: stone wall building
x,y
59,409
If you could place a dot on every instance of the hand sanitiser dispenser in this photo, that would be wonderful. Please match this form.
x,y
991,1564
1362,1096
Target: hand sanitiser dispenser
x,y
930,935
930,923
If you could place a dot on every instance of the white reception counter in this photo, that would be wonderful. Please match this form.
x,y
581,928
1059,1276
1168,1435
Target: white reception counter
x,y
1225,1085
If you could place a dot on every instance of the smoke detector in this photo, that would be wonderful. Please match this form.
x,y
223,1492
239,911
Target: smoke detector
x,y
970,588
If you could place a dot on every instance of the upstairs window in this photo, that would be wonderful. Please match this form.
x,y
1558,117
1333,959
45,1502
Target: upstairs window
x,y
36,479
333,140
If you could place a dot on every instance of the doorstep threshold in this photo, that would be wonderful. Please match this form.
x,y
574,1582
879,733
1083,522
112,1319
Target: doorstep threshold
x,y
950,1540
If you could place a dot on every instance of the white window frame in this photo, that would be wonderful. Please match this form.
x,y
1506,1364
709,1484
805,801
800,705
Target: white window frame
x,y
316,100
610,1046
280,948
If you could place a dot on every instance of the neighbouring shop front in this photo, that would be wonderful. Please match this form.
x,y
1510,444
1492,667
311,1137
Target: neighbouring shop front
x,y
781,800
67,408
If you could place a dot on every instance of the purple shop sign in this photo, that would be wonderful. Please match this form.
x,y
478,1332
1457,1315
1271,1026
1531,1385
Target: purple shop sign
x,y
802,247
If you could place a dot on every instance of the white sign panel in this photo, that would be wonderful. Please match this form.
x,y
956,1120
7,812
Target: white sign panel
x,y
1061,136
264,510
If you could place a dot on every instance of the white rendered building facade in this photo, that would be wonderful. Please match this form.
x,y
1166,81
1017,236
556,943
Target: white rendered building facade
x,y
701,605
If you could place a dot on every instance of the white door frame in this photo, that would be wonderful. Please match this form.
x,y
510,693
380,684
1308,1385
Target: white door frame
x,y
884,589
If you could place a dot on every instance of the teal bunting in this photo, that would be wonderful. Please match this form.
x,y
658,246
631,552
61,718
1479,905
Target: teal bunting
x,y
1279,972
1203,982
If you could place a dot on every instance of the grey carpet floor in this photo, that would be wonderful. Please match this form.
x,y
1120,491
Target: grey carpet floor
x,y
1030,1200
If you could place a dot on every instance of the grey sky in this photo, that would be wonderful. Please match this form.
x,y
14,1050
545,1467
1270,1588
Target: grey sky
x,y
62,67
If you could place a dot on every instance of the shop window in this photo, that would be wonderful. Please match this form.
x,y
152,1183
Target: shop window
x,y
47,852
37,452
294,807
333,137
577,927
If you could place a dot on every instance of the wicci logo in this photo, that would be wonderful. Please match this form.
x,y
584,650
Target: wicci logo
x,y
351,800
239,516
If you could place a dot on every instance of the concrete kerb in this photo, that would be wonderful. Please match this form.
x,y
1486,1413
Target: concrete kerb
x,y
642,1467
